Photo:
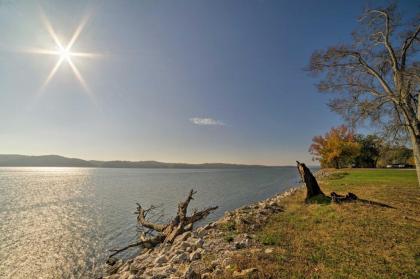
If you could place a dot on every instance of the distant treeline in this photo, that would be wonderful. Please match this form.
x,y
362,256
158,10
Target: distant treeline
x,y
60,161
341,147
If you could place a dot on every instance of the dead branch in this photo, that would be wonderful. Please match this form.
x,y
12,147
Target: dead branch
x,y
200,215
147,243
141,219
165,232
181,222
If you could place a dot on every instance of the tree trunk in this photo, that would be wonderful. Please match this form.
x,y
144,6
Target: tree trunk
x,y
416,153
312,187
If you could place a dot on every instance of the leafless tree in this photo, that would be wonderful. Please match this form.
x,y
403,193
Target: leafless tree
x,y
377,76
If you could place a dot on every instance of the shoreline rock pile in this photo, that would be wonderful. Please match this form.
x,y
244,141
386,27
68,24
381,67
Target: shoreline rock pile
x,y
205,252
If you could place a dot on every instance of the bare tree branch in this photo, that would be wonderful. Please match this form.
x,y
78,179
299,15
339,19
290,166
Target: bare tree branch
x,y
374,73
386,37
407,44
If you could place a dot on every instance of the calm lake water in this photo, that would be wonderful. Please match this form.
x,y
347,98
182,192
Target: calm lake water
x,y
60,222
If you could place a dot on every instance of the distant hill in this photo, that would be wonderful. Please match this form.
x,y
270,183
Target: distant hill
x,y
41,161
10,160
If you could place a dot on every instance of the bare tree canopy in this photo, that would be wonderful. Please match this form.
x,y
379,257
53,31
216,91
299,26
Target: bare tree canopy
x,y
377,76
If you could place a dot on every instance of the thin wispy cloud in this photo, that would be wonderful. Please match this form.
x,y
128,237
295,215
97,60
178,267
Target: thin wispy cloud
x,y
206,121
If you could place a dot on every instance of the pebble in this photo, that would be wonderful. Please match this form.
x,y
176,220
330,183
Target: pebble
x,y
161,259
195,256
246,273
180,258
269,250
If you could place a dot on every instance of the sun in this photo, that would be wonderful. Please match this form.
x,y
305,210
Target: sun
x,y
64,53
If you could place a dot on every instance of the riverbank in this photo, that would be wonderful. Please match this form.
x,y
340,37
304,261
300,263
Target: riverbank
x,y
282,237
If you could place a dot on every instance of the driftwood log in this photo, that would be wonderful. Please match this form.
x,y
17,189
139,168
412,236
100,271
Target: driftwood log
x,y
312,187
165,233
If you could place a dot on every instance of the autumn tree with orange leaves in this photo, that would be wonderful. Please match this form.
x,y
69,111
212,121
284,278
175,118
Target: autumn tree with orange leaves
x,y
337,148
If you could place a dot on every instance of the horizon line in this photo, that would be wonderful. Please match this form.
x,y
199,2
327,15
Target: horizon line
x,y
151,160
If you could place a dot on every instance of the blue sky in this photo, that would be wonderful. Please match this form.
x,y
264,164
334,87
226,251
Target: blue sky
x,y
177,81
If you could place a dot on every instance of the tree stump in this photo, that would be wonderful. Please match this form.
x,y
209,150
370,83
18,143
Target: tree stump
x,y
312,187
313,190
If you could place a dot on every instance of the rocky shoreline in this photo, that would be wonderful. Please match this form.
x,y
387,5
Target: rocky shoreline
x,y
205,252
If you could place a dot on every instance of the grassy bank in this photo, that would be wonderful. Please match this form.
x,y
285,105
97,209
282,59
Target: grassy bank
x,y
345,241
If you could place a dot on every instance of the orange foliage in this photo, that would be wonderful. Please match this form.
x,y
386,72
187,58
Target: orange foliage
x,y
337,148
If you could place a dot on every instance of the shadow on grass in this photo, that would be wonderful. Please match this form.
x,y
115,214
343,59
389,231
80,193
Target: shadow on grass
x,y
325,200
319,199
375,203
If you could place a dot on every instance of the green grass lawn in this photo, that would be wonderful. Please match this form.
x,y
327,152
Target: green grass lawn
x,y
353,240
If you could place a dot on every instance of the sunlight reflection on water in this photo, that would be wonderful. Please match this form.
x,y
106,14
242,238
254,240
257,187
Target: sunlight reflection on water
x,y
60,222
48,216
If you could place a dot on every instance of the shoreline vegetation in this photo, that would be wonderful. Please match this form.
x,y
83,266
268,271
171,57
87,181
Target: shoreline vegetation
x,y
13,160
284,237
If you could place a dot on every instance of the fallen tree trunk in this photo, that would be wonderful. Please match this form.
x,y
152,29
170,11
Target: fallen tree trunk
x,y
340,198
165,233
312,187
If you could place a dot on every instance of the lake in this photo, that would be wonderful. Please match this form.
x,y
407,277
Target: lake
x,y
60,222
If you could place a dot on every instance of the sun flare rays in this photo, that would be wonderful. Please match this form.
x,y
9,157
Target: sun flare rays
x,y
64,53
